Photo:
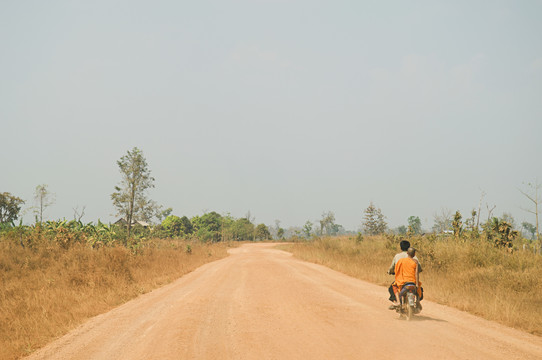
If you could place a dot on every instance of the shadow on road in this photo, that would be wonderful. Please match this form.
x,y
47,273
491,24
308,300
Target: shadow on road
x,y
426,318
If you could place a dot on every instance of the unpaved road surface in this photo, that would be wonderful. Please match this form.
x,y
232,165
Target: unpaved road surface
x,y
261,303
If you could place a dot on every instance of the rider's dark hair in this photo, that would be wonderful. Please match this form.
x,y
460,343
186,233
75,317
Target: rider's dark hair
x,y
404,245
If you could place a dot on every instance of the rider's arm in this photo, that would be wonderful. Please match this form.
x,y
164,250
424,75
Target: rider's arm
x,y
419,265
391,270
417,274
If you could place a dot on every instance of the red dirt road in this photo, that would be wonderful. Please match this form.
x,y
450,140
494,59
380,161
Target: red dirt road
x,y
261,303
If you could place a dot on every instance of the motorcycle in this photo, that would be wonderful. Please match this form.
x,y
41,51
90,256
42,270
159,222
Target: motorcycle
x,y
408,301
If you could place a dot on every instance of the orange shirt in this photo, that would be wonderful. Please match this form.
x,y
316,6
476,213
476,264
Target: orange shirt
x,y
405,271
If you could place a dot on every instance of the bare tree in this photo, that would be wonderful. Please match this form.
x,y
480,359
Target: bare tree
x,y
78,214
43,198
533,194
490,211
480,209
277,224
250,217
442,221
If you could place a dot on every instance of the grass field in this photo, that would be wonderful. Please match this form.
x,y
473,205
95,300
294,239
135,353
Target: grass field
x,y
469,275
46,290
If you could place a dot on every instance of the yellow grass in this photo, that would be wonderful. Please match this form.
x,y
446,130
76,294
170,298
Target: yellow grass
x,y
469,275
46,291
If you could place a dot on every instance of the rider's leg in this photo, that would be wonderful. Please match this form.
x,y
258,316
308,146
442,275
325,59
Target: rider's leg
x,y
419,290
392,297
397,291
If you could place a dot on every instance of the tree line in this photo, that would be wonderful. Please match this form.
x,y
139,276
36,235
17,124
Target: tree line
x,y
132,203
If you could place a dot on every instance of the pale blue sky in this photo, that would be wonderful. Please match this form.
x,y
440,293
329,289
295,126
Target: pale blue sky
x,y
284,108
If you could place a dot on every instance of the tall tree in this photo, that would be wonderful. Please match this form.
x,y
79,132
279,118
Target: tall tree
x,y
9,207
307,229
163,214
172,225
177,226
327,223
470,223
415,225
336,229
243,229
208,226
457,224
275,230
530,228
401,230
262,232
130,196
186,226
533,194
374,221
43,199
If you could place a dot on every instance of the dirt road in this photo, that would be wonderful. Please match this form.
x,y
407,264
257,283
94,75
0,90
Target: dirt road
x,y
261,303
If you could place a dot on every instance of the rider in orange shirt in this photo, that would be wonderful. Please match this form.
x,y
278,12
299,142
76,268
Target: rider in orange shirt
x,y
407,270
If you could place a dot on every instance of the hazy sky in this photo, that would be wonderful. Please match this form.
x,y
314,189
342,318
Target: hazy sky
x,y
284,108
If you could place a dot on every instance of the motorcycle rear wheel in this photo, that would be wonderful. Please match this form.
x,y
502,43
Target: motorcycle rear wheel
x,y
409,313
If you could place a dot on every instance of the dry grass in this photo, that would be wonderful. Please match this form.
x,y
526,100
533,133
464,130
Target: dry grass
x,y
46,291
471,275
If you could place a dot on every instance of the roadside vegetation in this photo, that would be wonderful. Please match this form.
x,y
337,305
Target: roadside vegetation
x,y
471,273
56,275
